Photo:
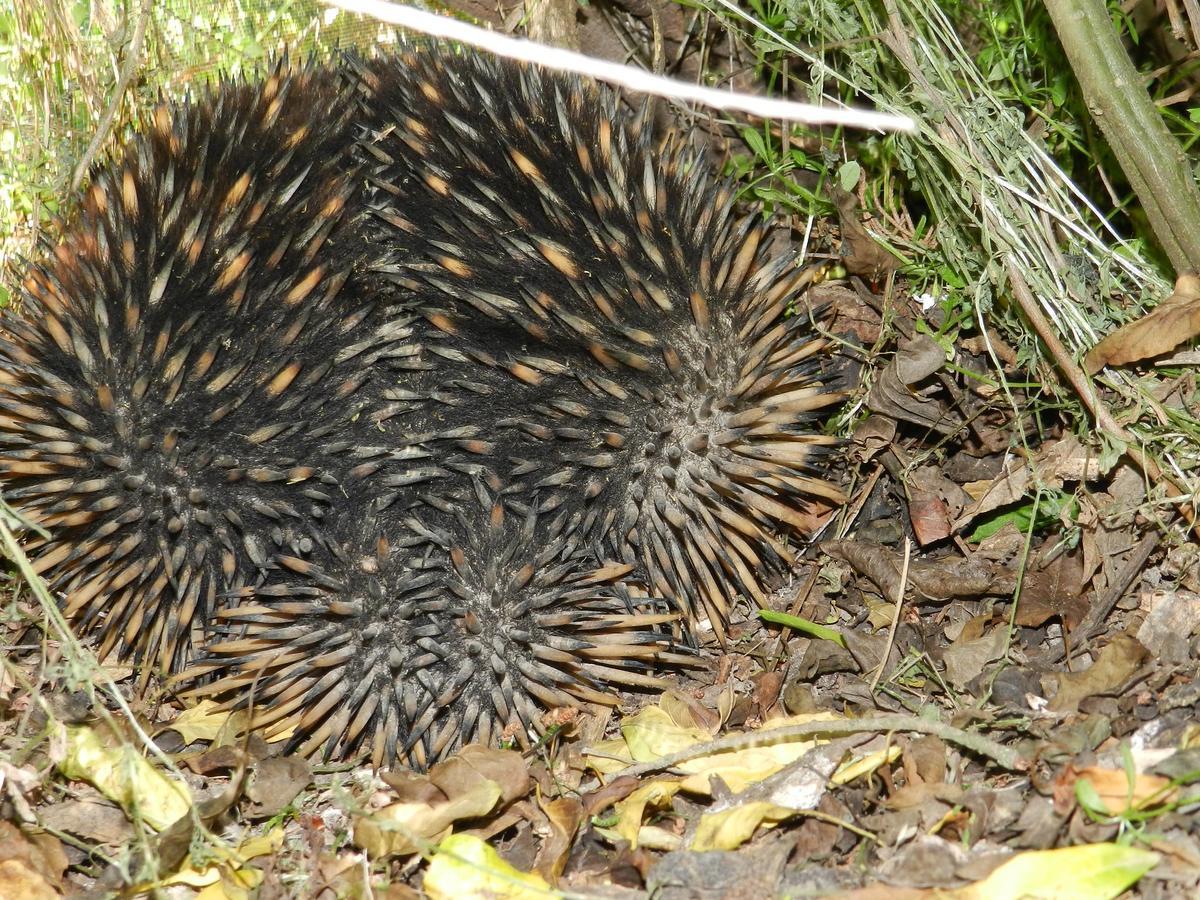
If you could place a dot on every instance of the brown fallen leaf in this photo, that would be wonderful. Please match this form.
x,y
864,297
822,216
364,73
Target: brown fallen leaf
x,y
275,782
1054,590
1055,463
965,659
18,880
944,578
1175,320
895,391
933,501
873,435
474,764
602,798
1112,668
913,796
34,862
100,823
563,818
474,783
861,253
924,760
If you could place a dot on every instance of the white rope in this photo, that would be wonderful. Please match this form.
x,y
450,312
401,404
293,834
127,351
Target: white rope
x,y
615,73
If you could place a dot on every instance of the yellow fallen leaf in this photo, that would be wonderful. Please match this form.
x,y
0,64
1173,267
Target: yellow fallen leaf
x,y
632,809
1090,872
865,765
652,733
228,875
603,762
236,885
650,837
681,712
125,777
742,768
730,828
405,827
466,867
205,721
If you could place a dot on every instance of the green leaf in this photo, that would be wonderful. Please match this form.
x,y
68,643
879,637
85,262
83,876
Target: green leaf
x,y
848,175
804,625
754,140
1048,509
1090,799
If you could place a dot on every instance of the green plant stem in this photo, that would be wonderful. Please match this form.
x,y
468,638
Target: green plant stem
x,y
1151,158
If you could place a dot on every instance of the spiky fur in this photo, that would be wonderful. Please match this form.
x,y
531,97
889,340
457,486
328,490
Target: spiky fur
x,y
176,357
413,397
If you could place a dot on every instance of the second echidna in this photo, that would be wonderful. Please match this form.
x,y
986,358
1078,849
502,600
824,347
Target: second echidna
x,y
175,356
428,416
642,362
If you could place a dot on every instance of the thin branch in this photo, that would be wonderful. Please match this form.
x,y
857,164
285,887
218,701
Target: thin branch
x,y
132,58
1153,161
900,589
1005,757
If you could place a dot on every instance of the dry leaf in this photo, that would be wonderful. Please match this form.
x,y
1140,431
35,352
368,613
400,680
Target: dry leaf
x,y
125,777
968,656
404,828
205,721
563,818
894,392
1117,795
35,862
861,254
632,809
1056,462
100,823
1112,668
467,867
1175,320
275,783
18,880
730,828
229,876
653,733
475,764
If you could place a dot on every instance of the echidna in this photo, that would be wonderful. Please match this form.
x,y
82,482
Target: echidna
x,y
449,626
180,354
469,390
635,357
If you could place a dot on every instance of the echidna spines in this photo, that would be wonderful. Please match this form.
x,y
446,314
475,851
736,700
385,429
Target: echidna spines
x,y
153,345
503,351
610,312
413,656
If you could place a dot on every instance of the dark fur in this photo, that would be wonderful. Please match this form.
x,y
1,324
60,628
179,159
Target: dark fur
x,y
544,395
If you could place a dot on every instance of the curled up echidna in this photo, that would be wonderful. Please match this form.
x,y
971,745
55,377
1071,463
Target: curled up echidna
x,y
176,353
407,398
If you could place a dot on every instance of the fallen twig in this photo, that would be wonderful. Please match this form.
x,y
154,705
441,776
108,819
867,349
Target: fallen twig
x,y
1005,757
